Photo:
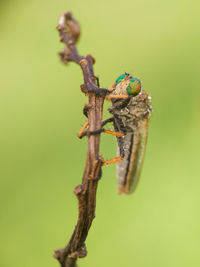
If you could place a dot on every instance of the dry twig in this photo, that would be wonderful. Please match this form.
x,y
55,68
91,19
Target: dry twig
x,y
86,192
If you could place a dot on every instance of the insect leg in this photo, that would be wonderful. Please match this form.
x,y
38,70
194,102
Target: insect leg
x,y
118,126
116,133
102,130
107,121
110,96
114,160
82,130
97,80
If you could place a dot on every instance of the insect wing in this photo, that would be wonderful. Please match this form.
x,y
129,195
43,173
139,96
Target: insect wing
x,y
129,169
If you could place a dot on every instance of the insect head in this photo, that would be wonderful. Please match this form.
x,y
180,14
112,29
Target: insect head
x,y
134,85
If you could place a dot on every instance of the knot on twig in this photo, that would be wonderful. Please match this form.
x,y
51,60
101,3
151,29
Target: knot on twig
x,y
92,88
84,88
58,254
78,190
64,55
90,57
68,25
96,171
79,253
69,31
86,109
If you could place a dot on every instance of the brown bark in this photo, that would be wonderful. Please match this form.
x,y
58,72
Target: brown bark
x,y
86,192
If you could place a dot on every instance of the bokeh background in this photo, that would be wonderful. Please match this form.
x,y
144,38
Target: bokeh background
x,y
42,159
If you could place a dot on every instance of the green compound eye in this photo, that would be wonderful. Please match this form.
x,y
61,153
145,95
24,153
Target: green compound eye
x,y
120,78
134,87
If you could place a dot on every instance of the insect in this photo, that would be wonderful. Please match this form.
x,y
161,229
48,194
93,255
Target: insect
x,y
131,108
130,117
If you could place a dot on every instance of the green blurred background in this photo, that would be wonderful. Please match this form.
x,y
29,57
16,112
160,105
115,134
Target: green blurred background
x,y
42,159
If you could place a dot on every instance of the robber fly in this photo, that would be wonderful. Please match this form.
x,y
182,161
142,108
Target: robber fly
x,y
131,108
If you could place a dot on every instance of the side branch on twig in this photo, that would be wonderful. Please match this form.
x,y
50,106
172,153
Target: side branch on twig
x,y
69,31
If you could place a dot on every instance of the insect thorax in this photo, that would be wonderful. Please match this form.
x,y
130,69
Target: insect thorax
x,y
131,111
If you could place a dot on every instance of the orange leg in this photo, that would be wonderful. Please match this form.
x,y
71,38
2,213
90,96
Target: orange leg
x,y
113,133
102,130
118,134
108,97
82,132
83,129
111,89
114,160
